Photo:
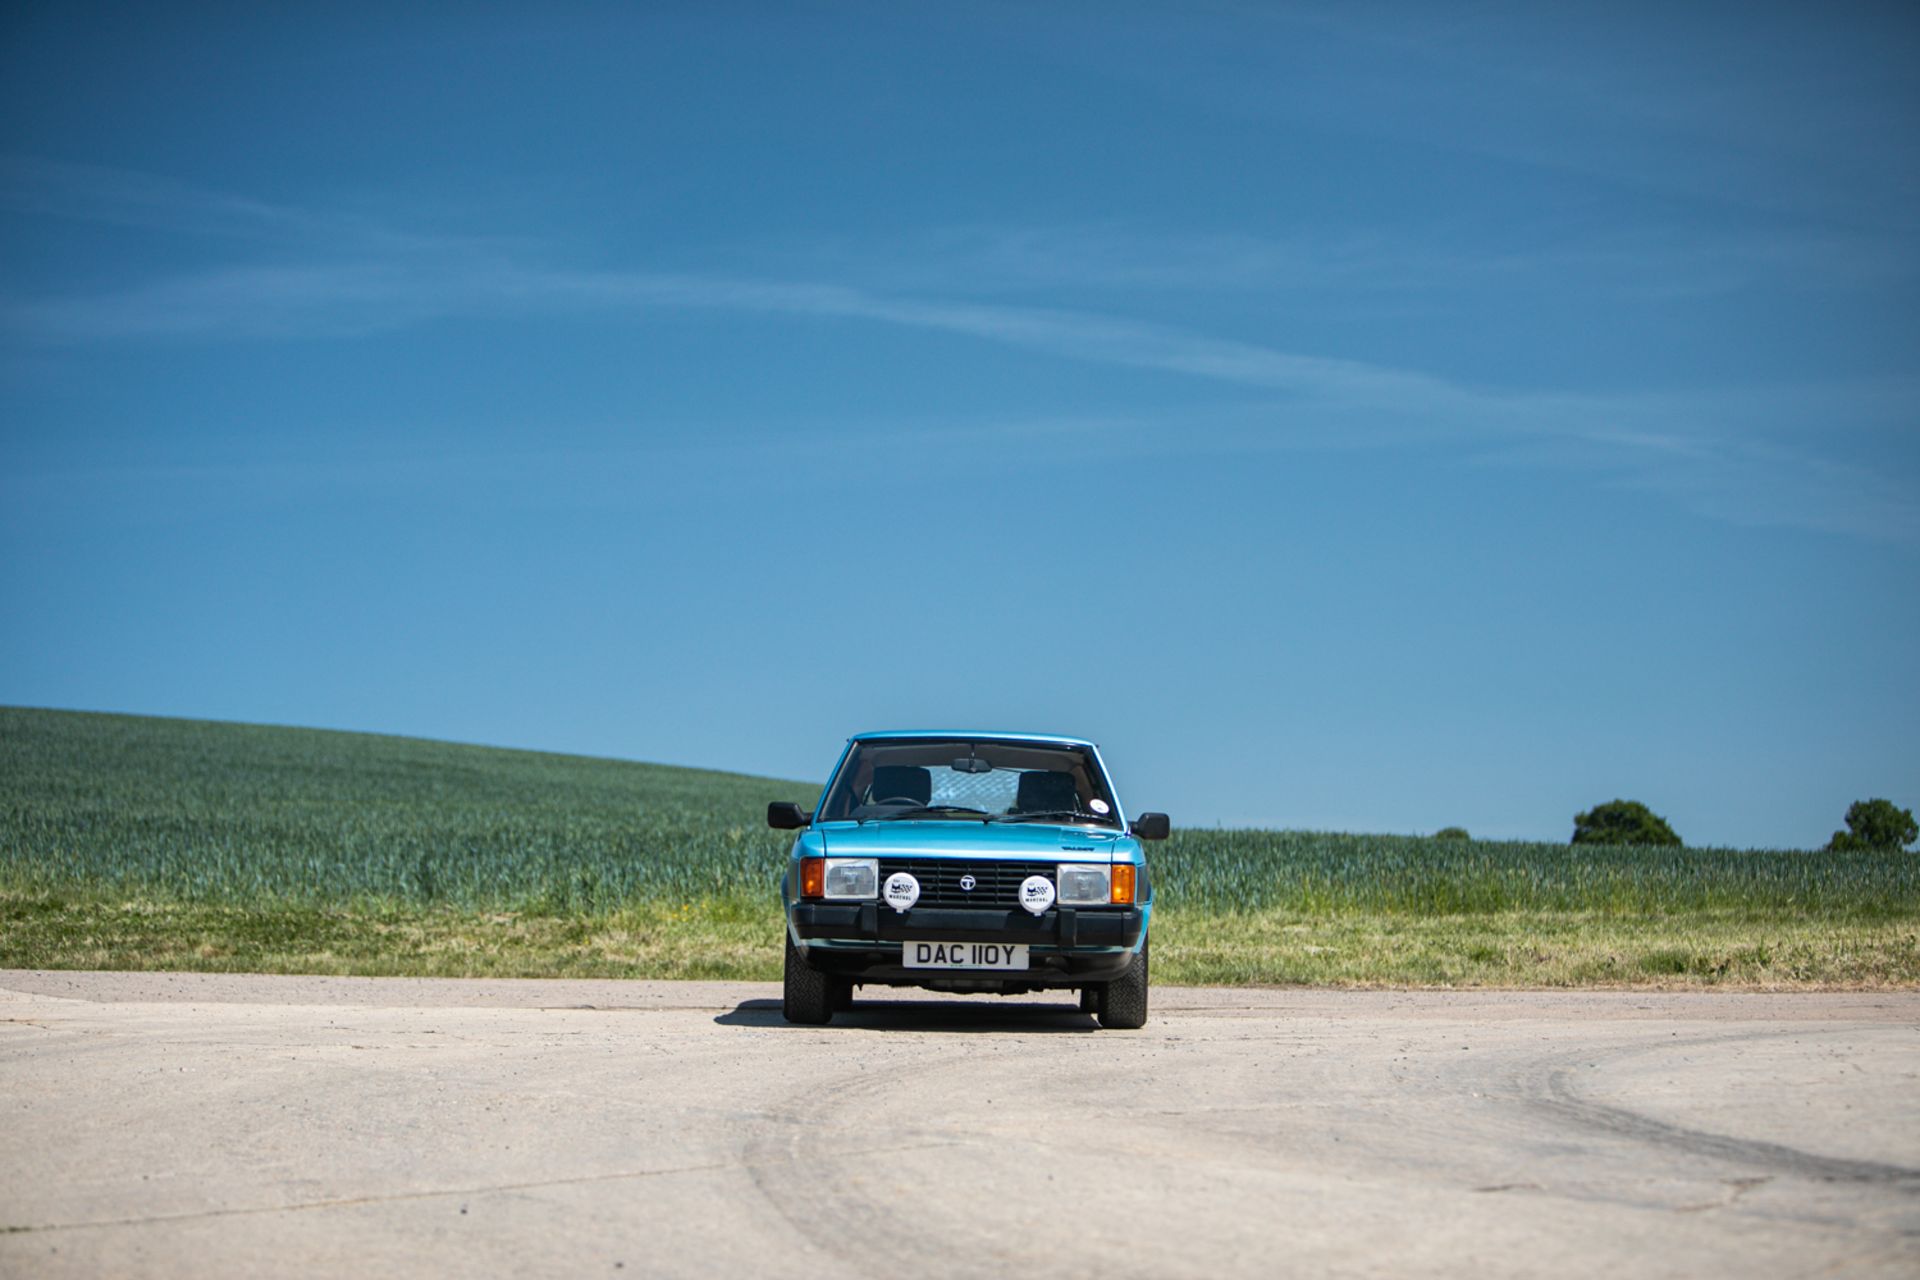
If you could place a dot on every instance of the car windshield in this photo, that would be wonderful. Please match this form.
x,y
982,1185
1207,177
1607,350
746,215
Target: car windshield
x,y
969,779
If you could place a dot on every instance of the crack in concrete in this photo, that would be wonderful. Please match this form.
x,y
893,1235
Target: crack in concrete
x,y
398,1197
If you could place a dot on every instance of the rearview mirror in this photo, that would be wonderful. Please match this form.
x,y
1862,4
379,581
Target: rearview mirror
x,y
1151,826
785,815
972,764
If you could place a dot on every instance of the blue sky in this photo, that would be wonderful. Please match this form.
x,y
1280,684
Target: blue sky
x,y
1442,414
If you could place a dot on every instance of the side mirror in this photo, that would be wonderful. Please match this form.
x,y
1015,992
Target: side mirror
x,y
1151,826
784,815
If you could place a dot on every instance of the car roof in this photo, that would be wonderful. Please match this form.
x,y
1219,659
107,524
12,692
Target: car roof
x,y
983,734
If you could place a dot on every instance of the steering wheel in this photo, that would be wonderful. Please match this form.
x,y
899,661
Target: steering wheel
x,y
898,800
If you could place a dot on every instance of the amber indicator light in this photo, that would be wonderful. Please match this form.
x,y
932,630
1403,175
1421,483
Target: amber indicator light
x,y
1123,882
813,877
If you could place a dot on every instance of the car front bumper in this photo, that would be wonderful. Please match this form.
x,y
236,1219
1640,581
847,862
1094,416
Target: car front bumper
x,y
1063,927
1066,947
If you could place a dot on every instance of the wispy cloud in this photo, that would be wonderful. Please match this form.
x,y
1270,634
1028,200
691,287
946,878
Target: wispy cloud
x,y
344,276
1368,267
1724,477
127,198
709,468
418,281
119,197
1676,102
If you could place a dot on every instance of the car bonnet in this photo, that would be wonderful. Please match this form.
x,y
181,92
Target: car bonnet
x,y
911,838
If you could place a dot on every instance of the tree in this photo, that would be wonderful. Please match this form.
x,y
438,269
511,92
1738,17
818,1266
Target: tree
x,y
1622,822
1452,833
1877,826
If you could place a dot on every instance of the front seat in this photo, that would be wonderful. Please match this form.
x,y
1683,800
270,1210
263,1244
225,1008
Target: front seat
x,y
901,782
1043,790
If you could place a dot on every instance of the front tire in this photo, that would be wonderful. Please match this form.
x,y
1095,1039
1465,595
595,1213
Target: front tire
x,y
1123,1006
807,996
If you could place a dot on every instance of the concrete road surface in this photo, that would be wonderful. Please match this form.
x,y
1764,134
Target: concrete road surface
x,y
187,1125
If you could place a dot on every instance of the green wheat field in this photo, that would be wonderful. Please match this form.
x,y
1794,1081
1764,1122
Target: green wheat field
x,y
139,843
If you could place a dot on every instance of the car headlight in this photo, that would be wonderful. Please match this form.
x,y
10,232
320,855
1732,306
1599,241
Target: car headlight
x,y
1084,884
852,878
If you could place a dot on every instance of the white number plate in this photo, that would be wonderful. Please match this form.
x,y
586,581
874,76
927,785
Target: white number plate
x,y
964,955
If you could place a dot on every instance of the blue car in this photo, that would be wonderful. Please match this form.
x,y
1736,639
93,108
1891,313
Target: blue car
x,y
994,862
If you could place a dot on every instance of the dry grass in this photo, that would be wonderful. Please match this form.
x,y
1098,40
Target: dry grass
x,y
714,940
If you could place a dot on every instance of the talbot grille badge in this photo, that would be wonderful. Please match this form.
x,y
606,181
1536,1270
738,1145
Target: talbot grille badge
x,y
967,883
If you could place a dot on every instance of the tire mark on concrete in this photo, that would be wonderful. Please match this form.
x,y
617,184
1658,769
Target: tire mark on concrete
x,y
801,1173
1564,1101
795,1139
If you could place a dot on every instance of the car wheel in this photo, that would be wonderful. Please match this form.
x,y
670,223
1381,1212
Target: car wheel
x,y
1124,1007
842,989
1090,998
808,993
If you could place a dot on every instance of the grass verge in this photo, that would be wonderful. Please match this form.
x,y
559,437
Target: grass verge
x,y
1536,950
721,939
736,939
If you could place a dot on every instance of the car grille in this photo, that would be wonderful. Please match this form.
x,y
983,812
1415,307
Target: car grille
x,y
996,884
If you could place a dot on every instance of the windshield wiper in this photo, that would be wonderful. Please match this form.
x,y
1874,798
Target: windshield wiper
x,y
1029,815
920,810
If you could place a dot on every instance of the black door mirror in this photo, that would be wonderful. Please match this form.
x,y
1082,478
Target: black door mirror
x,y
1151,826
784,815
